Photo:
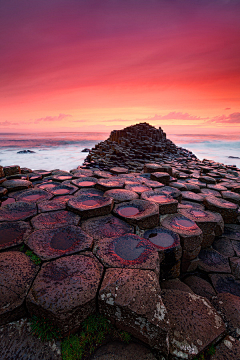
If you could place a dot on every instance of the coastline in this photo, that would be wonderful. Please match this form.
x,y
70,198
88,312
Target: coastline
x,y
166,232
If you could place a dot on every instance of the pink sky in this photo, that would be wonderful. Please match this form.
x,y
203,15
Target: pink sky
x,y
69,65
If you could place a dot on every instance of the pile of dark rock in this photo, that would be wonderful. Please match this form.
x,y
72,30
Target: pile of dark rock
x,y
133,146
157,252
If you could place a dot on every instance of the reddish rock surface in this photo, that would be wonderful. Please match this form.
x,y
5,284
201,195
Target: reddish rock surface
x,y
75,278
66,240
19,210
17,272
194,323
54,219
131,299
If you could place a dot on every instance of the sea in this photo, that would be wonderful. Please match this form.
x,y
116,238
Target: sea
x,y
63,150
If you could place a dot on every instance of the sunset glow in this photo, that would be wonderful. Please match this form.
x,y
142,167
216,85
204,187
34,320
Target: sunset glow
x,y
101,65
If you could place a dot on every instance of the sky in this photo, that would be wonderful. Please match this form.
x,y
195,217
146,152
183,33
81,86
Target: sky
x,y
83,65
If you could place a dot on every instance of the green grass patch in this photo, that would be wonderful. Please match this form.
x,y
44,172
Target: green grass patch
x,y
91,335
35,259
44,329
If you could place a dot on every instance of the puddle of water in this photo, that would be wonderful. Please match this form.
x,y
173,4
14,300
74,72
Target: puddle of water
x,y
128,249
161,239
128,211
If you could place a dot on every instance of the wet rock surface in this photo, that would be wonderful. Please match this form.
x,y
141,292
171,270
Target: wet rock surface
x,y
193,247
74,277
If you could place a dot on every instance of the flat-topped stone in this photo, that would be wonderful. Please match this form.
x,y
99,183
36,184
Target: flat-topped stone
x,y
127,251
213,261
111,183
143,213
120,195
54,219
53,243
84,182
137,188
107,226
191,196
225,283
13,233
119,170
167,204
232,231
231,196
58,203
34,195
224,246
88,205
206,220
131,299
11,170
228,306
210,192
16,184
19,210
61,178
167,243
63,189
228,349
227,209
17,272
65,291
162,177
190,234
200,286
194,323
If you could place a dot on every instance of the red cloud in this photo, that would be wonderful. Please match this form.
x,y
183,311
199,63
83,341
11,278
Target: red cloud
x,y
233,118
175,116
51,118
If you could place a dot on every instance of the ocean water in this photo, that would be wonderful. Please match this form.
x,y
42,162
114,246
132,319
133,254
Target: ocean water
x,y
64,150
51,150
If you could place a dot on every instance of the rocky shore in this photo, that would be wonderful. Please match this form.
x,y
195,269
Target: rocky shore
x,y
143,233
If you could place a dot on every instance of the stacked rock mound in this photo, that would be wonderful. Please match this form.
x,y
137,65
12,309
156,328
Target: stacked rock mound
x,y
132,147
156,252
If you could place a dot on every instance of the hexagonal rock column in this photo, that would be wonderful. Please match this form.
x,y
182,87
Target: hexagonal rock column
x,y
162,177
190,235
108,184
225,283
107,226
212,261
66,240
17,272
16,184
150,168
65,291
90,205
167,204
228,349
54,219
128,251
131,299
13,233
119,170
84,182
194,323
19,210
228,306
143,213
35,195
167,243
174,192
62,190
191,196
206,221
228,210
121,195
